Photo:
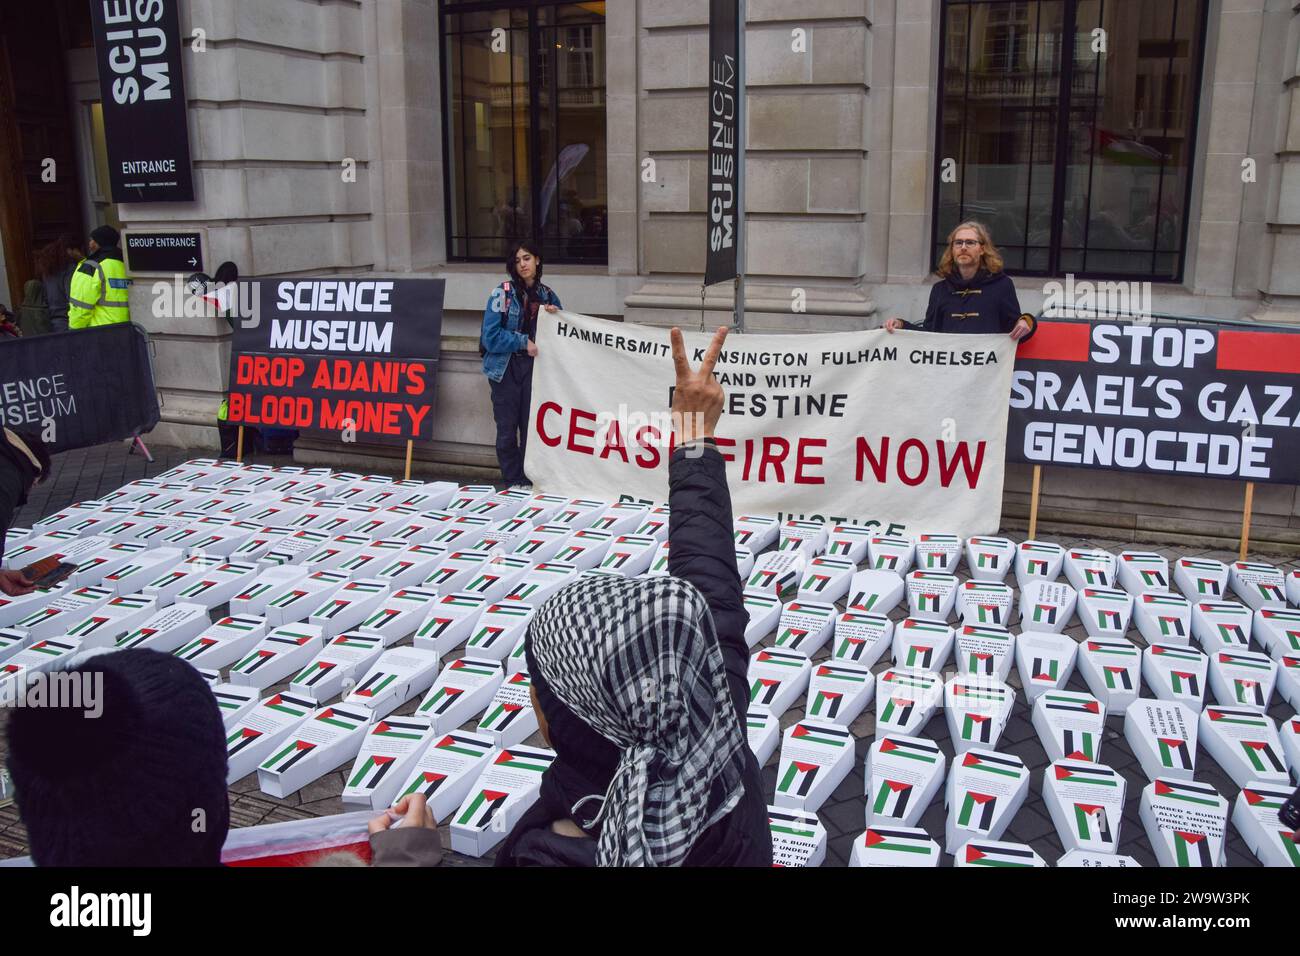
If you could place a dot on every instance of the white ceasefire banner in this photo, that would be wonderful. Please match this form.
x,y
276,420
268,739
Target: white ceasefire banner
x,y
902,430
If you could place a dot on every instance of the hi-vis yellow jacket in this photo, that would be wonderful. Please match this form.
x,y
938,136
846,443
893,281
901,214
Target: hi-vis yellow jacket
x,y
100,293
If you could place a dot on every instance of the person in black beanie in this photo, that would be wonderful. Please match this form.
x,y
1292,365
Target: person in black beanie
x,y
141,784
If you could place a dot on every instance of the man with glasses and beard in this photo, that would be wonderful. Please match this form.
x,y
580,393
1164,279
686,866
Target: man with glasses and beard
x,y
973,293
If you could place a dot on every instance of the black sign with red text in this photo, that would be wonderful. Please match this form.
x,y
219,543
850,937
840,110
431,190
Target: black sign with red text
x,y
1208,401
346,356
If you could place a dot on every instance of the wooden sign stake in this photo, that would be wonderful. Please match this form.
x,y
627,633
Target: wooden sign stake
x,y
1033,502
1245,520
409,445
239,446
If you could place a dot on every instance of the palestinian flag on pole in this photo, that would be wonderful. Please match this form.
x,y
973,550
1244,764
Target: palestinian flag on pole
x,y
983,854
891,799
898,841
482,808
370,773
798,778
976,811
1174,753
285,758
910,749
1187,792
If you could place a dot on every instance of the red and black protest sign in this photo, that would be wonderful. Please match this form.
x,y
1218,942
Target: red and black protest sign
x,y
342,356
1219,402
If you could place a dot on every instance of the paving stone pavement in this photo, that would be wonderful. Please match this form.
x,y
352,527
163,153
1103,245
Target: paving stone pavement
x,y
88,473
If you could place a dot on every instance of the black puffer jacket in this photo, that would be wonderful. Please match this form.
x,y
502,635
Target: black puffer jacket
x,y
985,303
703,553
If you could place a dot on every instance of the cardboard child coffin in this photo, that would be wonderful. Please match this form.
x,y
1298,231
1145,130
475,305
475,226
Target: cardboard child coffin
x,y
461,691
798,837
330,737
815,759
337,666
1045,660
985,790
1185,822
1162,735
1255,816
862,638
1038,560
1201,579
838,692
446,769
1070,725
887,845
1245,743
938,552
1175,672
989,559
903,775
503,792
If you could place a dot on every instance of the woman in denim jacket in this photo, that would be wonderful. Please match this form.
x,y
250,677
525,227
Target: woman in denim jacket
x,y
508,348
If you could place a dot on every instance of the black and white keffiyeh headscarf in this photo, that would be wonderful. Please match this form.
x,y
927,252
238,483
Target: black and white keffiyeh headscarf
x,y
638,661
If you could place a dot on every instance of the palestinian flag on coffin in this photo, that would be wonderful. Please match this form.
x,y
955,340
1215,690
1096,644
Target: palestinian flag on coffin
x,y
478,813
978,853
898,841
976,810
798,778
891,798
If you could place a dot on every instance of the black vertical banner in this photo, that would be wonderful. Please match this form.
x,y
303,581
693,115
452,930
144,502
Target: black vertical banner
x,y
724,140
138,50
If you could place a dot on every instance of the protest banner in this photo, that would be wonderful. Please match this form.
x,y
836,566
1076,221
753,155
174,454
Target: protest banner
x,y
346,357
808,427
97,390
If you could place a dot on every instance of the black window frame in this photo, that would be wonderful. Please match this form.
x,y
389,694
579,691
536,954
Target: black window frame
x,y
1070,36
446,9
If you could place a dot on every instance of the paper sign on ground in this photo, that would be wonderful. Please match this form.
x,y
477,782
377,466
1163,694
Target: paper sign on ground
x,y
388,753
1090,568
399,674
838,692
826,579
278,656
327,739
505,790
167,629
1038,560
763,732
986,603
906,699
986,651
464,689
903,775
862,638
1046,605
890,553
450,622
777,679
777,573
984,792
446,769
877,592
1259,585
1255,816
1185,822
1163,617
1162,735
1244,743
815,759
337,666
922,644
938,552
1070,725
805,626
764,611
989,559
1241,678
1086,803
977,709
1112,669
254,738
886,845
1175,672
1105,612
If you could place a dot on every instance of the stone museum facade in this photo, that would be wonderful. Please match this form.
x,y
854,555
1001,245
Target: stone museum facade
x,y
1142,141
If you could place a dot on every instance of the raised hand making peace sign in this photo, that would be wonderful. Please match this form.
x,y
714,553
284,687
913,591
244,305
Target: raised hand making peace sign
x,y
698,398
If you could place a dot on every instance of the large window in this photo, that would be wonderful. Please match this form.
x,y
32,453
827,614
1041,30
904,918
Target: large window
x,y
525,105
1104,193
